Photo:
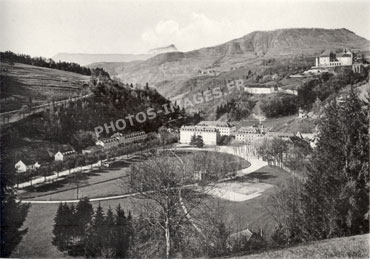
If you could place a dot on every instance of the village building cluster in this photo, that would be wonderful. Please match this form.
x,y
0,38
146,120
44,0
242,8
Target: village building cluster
x,y
211,131
66,151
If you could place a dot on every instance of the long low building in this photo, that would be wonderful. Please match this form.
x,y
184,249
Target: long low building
x,y
224,128
209,135
249,134
118,138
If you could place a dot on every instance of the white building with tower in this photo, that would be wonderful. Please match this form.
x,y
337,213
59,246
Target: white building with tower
x,y
329,58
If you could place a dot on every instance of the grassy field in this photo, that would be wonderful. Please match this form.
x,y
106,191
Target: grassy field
x,y
345,247
20,82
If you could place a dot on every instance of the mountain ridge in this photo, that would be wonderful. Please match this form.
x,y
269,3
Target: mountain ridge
x,y
243,51
90,58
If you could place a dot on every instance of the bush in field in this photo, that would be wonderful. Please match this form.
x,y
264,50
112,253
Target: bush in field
x,y
280,104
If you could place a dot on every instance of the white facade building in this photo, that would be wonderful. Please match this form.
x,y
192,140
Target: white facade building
x,y
261,89
331,59
22,167
209,135
60,156
118,138
223,128
250,134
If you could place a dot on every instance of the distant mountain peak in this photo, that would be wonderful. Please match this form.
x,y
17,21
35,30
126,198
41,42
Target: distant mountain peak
x,y
169,48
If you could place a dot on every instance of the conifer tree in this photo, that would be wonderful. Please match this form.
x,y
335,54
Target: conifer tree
x,y
199,141
193,140
336,195
121,237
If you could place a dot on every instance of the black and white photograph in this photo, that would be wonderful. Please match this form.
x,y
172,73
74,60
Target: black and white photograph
x,y
173,129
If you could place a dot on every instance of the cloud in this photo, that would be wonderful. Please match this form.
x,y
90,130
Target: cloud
x,y
200,31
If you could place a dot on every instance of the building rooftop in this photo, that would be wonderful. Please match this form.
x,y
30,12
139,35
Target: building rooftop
x,y
327,53
215,124
198,128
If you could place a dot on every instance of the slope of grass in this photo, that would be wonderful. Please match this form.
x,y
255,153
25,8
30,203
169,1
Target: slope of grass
x,y
344,247
21,82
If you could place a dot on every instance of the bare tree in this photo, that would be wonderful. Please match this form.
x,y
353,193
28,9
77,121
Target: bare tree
x,y
164,184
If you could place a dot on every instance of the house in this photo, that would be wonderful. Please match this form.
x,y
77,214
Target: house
x,y
62,155
26,165
209,134
224,128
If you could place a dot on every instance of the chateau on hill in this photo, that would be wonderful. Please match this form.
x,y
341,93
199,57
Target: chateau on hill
x,y
331,59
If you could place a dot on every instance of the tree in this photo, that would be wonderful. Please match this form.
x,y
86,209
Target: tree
x,y
199,141
96,235
123,233
333,200
62,234
83,218
335,195
159,181
280,104
80,234
13,213
193,140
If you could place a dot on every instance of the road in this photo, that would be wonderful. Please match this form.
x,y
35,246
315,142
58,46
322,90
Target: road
x,y
14,116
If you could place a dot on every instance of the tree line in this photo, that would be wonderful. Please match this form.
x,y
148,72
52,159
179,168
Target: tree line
x,y
12,58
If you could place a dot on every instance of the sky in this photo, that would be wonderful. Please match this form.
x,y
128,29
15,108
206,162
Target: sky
x,y
47,27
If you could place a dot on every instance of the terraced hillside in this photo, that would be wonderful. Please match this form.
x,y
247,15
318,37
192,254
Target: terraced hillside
x,y
30,85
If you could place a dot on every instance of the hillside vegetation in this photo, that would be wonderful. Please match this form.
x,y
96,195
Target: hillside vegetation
x,y
344,247
30,85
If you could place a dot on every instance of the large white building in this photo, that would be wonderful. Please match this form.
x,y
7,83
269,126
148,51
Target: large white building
x,y
209,134
331,59
224,128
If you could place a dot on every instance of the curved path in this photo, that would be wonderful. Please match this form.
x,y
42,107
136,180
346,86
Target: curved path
x,y
241,151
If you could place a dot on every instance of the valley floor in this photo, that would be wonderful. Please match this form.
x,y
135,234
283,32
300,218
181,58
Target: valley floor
x,y
240,214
